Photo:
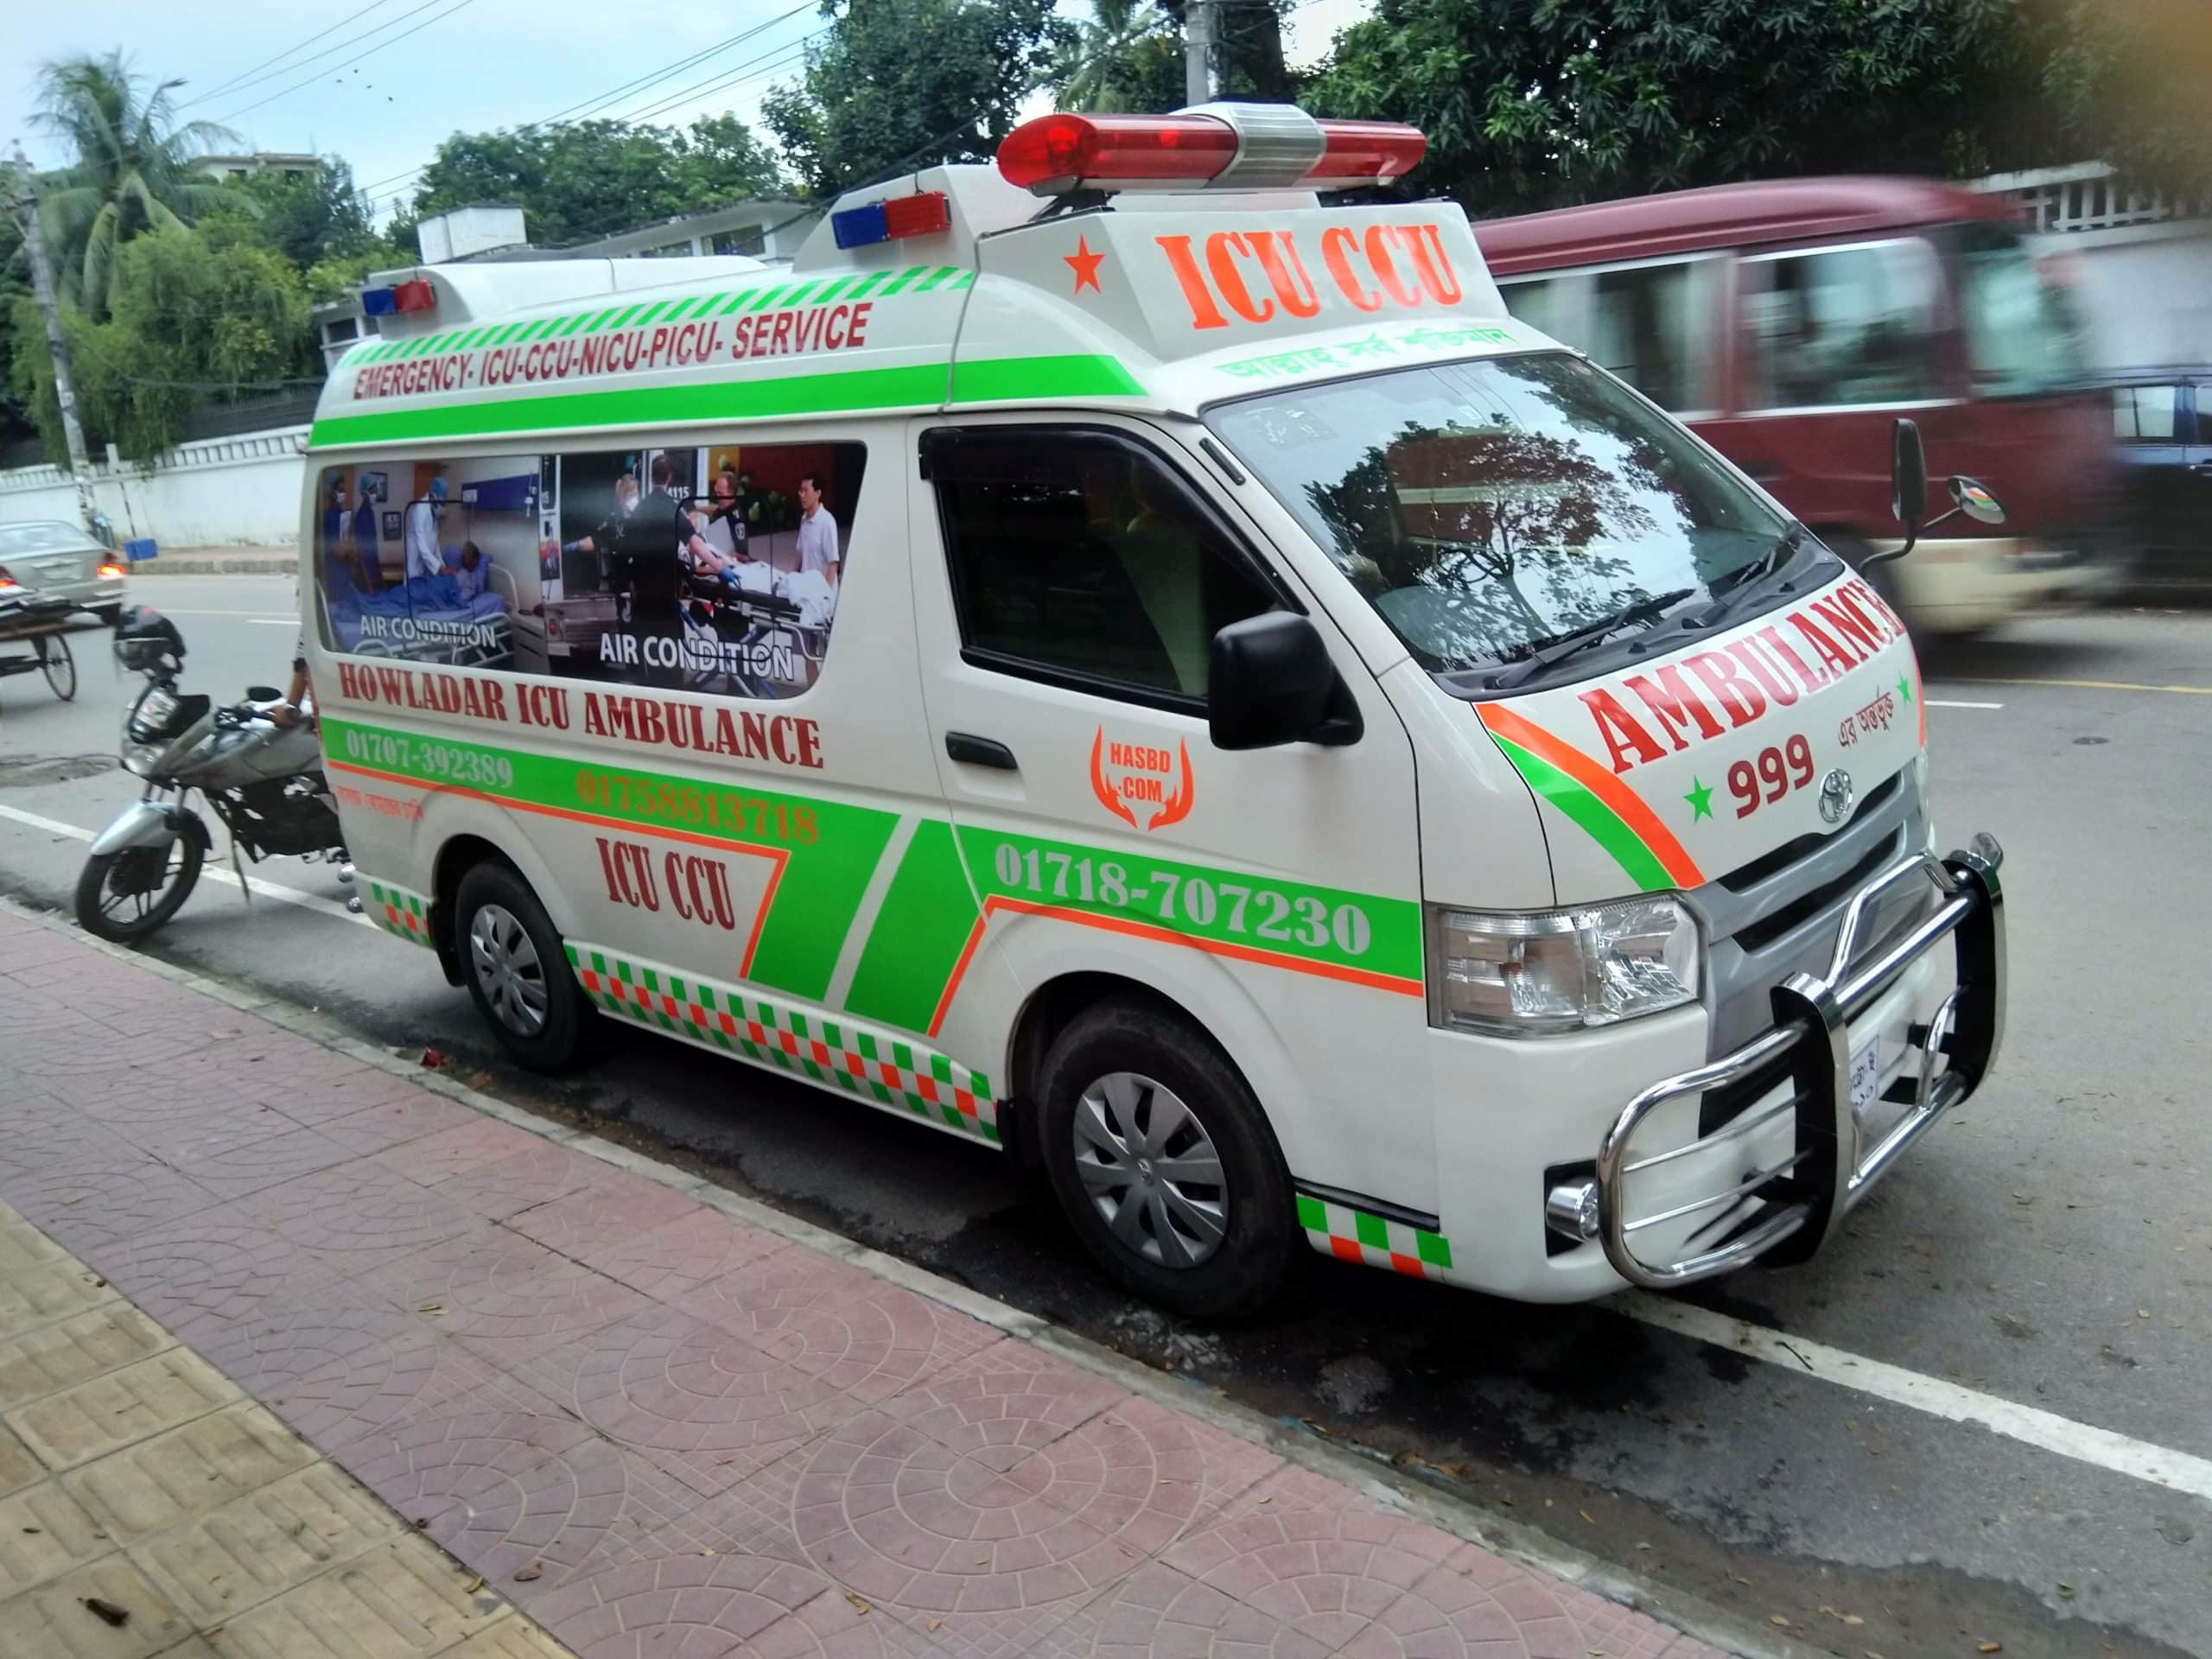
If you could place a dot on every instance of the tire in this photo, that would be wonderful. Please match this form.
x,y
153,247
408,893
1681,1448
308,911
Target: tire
x,y
58,666
516,973
1119,1066
96,916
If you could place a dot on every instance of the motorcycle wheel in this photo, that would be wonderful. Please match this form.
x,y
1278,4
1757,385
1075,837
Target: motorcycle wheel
x,y
127,912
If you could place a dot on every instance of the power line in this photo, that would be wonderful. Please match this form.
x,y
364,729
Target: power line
x,y
218,91
459,5
245,84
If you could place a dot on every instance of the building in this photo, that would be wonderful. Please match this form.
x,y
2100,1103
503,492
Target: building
x,y
232,169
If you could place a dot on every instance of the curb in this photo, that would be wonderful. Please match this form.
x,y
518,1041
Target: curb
x,y
194,564
1367,1473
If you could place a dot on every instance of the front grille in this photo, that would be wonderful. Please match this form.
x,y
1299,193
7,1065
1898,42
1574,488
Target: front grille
x,y
1778,914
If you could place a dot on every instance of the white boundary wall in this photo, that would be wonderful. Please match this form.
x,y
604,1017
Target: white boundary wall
x,y
237,491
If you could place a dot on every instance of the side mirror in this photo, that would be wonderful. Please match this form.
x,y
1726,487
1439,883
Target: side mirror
x,y
1908,478
1269,680
1976,502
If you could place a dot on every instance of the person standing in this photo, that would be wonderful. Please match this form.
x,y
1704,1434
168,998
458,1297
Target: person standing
x,y
424,557
367,560
817,531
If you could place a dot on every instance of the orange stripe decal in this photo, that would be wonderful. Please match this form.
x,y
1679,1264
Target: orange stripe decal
x,y
1616,797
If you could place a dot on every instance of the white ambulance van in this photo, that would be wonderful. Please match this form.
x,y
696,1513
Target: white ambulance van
x,y
1113,659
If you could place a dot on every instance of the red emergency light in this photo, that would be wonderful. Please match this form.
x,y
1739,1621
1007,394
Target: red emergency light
x,y
1054,154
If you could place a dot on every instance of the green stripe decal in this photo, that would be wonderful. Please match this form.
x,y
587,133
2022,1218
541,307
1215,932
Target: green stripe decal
x,y
919,935
1603,824
816,898
868,284
1013,379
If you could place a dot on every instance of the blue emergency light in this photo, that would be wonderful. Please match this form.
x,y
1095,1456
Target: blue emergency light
x,y
924,213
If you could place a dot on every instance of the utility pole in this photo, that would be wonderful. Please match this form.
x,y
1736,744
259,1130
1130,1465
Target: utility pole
x,y
1197,52
81,466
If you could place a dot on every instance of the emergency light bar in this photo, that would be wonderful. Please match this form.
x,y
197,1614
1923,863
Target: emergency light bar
x,y
891,219
417,296
1213,146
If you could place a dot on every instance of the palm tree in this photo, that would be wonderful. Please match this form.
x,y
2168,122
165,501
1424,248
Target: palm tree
x,y
131,173
1099,69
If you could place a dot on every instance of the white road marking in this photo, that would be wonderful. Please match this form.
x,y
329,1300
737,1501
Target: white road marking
x,y
1954,1402
208,872
1938,703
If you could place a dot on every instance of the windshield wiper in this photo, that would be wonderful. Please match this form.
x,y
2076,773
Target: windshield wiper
x,y
1561,646
1747,577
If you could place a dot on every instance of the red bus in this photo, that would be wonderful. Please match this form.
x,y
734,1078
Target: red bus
x,y
1790,323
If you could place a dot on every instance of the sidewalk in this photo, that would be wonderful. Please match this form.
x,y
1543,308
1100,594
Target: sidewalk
x,y
658,1427
221,561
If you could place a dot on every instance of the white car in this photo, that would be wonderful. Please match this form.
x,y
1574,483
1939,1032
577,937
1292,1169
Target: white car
x,y
63,561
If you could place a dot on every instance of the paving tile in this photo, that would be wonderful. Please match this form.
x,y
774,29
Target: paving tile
x,y
52,1622
1003,1402
664,1260
465,1149
678,1608
238,1556
1158,1611
113,1411
830,1627
358,1214
830,1319
543,1173
213,1271
343,1090
21,1245
34,1295
218,1127
400,1600
406,1114
44,1533
18,1468
118,1193
75,1350
253,1158
383,1379
512,1638
503,1297
172,1477
616,1208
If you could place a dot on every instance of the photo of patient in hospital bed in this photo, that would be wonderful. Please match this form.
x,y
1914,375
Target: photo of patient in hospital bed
x,y
460,584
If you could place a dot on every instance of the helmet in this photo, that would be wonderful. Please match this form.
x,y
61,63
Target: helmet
x,y
146,640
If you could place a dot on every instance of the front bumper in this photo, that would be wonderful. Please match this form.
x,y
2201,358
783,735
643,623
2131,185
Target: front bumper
x,y
1788,1208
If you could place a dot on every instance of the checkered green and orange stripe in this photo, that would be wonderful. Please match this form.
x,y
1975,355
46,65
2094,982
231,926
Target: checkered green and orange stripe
x,y
398,912
862,1061
1357,1235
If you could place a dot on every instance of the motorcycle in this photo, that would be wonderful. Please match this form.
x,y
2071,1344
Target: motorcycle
x,y
262,779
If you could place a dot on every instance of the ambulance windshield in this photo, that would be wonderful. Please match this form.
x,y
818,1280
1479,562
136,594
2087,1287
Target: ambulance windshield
x,y
1488,508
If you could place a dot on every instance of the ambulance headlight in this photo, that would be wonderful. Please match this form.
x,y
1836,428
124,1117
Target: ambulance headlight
x,y
1523,973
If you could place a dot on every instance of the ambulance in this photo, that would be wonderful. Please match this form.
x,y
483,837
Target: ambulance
x,y
1115,658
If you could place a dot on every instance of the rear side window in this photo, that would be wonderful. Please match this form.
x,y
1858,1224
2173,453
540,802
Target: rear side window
x,y
2146,414
1841,325
1648,326
1081,556
712,567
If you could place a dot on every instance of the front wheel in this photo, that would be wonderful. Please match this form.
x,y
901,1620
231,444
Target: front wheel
x,y
1164,1162
126,896
517,972
58,666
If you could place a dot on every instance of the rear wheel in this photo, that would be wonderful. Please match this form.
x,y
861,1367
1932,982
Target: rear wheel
x,y
126,896
517,972
1164,1162
57,664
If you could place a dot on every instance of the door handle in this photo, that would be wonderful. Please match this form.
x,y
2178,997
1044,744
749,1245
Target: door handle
x,y
974,751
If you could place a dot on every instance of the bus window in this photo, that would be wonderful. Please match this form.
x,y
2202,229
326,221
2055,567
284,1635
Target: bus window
x,y
1841,325
1545,303
1646,327
2023,335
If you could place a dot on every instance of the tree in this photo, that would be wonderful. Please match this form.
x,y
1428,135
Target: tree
x,y
593,178
1529,104
129,174
903,84
312,217
1125,56
2125,84
198,311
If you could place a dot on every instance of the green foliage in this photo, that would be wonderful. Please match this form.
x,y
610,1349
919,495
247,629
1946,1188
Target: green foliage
x,y
596,177
2127,83
197,312
1126,57
903,84
309,219
130,174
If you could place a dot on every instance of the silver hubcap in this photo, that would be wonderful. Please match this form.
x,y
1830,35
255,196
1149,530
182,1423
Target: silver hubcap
x,y
1151,1169
508,970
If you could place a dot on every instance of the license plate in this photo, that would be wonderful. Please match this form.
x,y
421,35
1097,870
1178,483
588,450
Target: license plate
x,y
1865,1078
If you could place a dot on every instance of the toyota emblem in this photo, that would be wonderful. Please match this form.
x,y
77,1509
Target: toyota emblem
x,y
1836,796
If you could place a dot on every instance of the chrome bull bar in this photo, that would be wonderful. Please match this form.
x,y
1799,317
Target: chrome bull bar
x,y
1808,1194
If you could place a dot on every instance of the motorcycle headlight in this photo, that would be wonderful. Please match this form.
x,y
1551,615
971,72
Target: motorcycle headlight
x,y
1523,974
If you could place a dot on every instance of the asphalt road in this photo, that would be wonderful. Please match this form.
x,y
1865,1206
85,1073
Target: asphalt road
x,y
2048,1248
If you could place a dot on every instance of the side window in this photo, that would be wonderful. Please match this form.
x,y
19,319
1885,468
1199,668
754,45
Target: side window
x,y
1647,328
710,568
1083,554
1542,304
1841,325
2146,414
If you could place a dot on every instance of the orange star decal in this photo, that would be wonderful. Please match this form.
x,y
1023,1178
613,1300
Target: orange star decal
x,y
1085,263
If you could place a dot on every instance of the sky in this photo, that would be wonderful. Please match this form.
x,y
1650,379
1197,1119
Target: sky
x,y
380,82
